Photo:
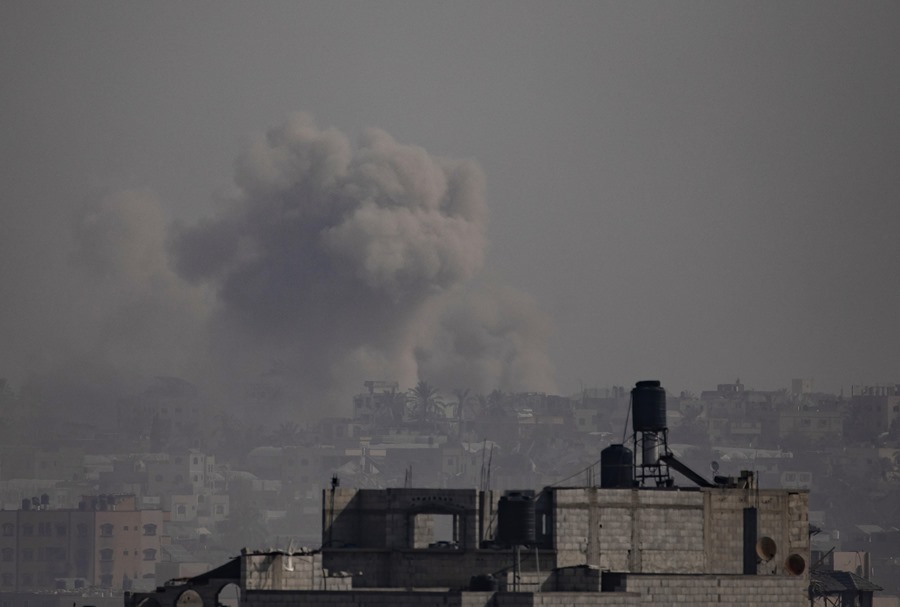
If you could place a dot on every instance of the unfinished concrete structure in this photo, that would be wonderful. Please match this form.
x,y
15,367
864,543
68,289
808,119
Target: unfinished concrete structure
x,y
636,540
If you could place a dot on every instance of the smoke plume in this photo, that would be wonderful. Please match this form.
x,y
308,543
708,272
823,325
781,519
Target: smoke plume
x,y
332,263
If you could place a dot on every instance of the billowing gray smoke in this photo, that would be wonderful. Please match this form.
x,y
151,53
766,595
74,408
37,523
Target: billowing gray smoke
x,y
331,264
347,263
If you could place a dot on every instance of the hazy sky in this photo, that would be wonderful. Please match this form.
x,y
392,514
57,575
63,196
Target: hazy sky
x,y
692,191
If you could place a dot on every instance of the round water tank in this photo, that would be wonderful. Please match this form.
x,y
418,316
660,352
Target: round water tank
x,y
616,467
648,406
650,449
516,520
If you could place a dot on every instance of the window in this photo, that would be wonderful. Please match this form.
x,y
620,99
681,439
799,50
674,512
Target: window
x,y
7,554
82,530
182,509
8,579
106,580
28,530
106,554
196,460
45,529
61,530
27,554
27,579
106,530
149,529
8,529
220,509
149,554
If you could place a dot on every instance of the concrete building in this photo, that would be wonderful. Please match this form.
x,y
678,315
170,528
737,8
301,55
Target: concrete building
x,y
106,543
873,409
637,539
591,545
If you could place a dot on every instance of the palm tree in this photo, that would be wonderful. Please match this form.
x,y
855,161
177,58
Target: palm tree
x,y
396,404
425,401
287,434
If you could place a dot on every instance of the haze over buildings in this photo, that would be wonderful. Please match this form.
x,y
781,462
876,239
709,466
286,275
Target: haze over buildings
x,y
687,192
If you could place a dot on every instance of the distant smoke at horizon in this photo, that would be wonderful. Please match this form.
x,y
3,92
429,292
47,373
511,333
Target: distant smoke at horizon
x,y
330,265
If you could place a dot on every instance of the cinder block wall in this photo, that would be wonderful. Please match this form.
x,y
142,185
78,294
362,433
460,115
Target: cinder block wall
x,y
715,591
441,599
675,531
288,572
783,517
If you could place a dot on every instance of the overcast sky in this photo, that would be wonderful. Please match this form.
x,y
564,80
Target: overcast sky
x,y
692,192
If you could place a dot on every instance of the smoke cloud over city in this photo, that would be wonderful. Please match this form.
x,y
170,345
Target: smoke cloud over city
x,y
330,263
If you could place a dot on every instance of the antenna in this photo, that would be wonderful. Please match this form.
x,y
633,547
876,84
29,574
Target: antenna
x,y
481,478
488,475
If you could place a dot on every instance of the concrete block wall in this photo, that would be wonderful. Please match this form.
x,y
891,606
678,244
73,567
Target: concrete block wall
x,y
357,599
566,599
430,568
783,517
439,599
715,591
629,529
396,518
571,525
273,571
674,531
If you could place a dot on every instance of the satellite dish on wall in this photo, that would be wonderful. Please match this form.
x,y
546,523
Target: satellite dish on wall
x,y
795,564
714,466
766,548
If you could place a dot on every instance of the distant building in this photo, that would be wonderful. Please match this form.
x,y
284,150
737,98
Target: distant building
x,y
105,543
873,410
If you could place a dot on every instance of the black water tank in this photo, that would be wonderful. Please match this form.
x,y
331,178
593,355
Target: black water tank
x,y
616,467
648,406
516,519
